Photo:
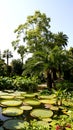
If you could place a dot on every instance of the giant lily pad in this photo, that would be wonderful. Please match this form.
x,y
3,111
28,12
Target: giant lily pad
x,y
11,102
47,96
26,107
47,119
52,107
55,108
30,95
7,97
19,93
41,113
20,97
32,102
12,111
46,101
15,124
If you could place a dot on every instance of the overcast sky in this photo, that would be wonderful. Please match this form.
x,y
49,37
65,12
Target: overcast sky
x,y
15,12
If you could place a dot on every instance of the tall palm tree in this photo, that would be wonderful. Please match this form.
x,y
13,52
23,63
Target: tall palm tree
x,y
21,50
7,54
61,39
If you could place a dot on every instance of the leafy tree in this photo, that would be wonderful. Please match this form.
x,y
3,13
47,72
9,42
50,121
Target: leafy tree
x,y
46,47
68,67
16,67
2,67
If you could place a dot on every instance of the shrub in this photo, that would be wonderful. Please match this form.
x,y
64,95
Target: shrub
x,y
18,83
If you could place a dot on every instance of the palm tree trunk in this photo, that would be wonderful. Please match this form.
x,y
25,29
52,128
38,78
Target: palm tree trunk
x,y
59,71
49,80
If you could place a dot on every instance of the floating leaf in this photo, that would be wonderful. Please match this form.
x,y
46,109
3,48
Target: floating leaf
x,y
32,102
54,108
41,113
26,107
7,97
48,101
47,119
12,111
30,95
11,102
15,124
52,96
20,97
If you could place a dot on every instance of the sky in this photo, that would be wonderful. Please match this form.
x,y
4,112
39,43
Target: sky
x,y
15,12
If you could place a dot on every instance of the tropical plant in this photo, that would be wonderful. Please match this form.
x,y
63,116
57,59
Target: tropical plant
x,y
21,50
7,54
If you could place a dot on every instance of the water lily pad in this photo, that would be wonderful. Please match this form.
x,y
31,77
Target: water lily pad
x,y
26,107
3,93
12,111
41,113
7,97
20,97
52,96
30,95
11,102
32,102
19,93
15,124
47,119
48,101
44,96
47,105
54,108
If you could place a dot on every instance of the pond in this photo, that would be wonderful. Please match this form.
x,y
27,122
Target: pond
x,y
25,106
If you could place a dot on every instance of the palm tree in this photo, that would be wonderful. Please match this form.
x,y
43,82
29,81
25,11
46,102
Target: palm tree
x,y
7,54
61,39
21,50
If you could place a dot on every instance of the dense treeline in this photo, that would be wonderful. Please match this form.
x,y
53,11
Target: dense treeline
x,y
50,61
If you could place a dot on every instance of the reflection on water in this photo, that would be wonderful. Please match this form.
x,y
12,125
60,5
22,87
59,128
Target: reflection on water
x,y
3,118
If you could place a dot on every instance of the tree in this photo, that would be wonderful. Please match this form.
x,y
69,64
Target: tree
x,y
61,39
21,50
46,47
68,66
7,54
16,67
2,68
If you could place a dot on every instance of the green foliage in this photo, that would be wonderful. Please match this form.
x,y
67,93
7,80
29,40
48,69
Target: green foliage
x,y
26,84
6,83
16,67
36,125
18,83
2,67
64,85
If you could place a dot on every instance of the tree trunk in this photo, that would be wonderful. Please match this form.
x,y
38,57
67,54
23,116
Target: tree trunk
x,y
59,71
54,74
49,80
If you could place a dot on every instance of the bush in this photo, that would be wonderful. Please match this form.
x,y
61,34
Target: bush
x,y
64,85
18,83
